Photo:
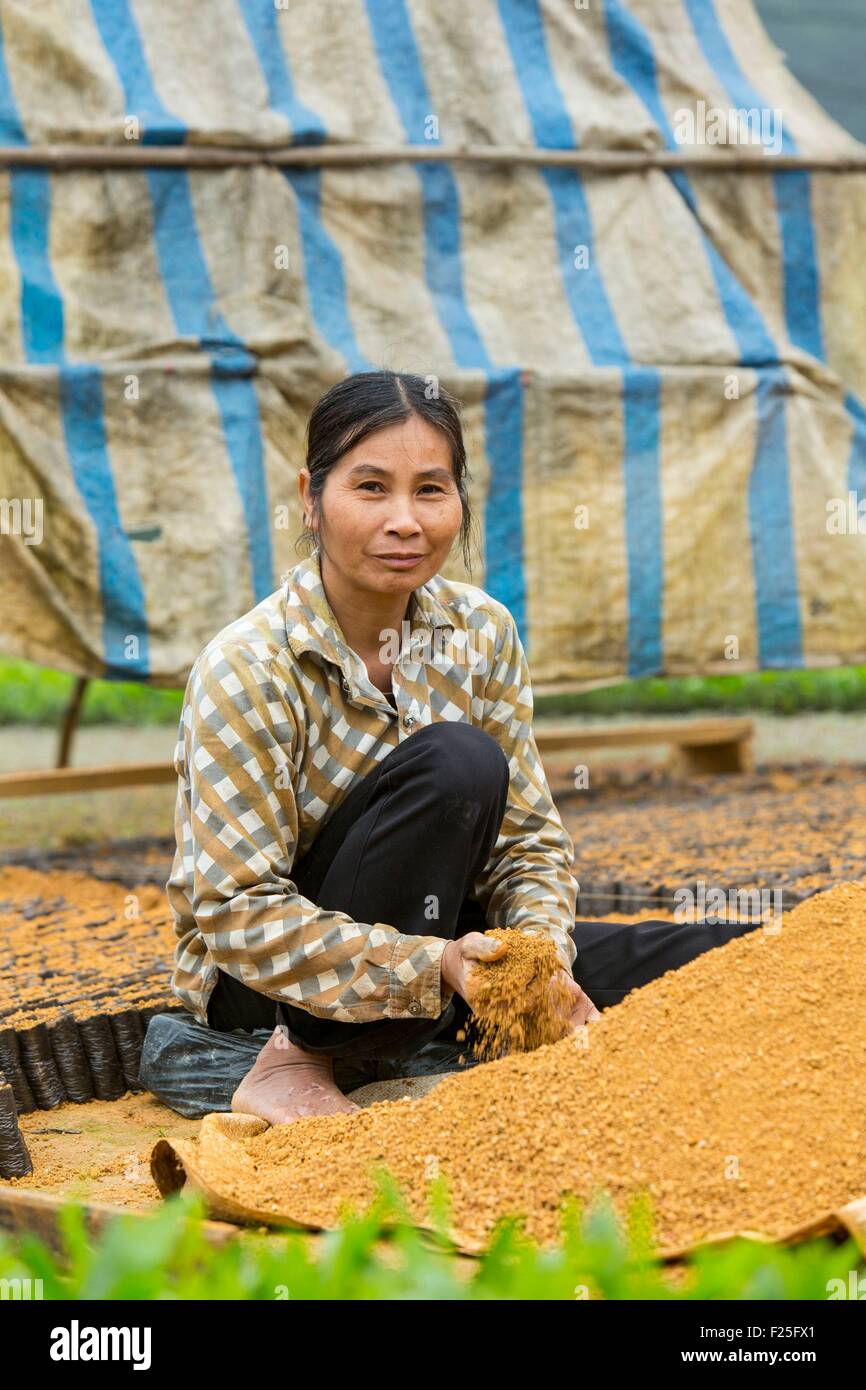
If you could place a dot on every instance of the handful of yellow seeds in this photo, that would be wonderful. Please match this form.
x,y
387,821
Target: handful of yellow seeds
x,y
520,1000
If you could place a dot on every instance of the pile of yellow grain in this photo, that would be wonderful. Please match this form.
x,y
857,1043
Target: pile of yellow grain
x,y
731,1090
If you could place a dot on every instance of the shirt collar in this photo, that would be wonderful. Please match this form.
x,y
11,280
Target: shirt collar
x,y
312,626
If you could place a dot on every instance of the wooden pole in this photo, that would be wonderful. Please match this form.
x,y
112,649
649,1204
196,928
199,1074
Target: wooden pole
x,y
134,156
70,721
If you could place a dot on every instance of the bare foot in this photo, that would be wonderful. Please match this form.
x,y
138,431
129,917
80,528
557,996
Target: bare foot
x,y
285,1083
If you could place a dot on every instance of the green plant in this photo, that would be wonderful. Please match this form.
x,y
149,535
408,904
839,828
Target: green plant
x,y
31,694
774,692
380,1254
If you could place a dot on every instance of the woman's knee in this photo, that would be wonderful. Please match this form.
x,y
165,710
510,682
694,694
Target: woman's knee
x,y
464,755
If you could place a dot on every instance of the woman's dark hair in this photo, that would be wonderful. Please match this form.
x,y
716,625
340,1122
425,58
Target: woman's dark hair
x,y
367,401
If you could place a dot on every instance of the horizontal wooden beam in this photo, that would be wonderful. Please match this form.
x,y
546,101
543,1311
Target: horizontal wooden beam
x,y
134,155
55,780
728,735
683,732
31,1212
700,745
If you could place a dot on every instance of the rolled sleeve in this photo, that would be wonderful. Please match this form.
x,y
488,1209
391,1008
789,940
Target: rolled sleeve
x,y
416,976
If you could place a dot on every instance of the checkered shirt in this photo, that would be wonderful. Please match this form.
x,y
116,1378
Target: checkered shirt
x,y
279,720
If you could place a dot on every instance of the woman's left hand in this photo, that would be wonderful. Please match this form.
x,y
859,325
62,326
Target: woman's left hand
x,y
578,1005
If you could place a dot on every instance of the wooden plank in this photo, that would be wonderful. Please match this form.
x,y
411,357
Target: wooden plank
x,y
25,1210
735,756
53,781
552,738
685,733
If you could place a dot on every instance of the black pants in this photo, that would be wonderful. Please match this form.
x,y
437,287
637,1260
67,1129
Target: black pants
x,y
417,830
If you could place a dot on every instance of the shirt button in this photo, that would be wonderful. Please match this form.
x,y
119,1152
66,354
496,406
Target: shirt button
x,y
415,1007
409,720
346,685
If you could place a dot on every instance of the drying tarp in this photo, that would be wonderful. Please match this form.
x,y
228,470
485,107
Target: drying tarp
x,y
664,370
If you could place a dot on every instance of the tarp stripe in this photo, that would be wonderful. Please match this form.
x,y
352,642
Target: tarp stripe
x,y
190,292
594,317
41,306
324,274
83,417
524,30
791,187
262,24
401,66
632,57
125,629
193,305
11,129
122,39
857,456
793,193
82,409
505,571
770,521
323,268
552,129
644,528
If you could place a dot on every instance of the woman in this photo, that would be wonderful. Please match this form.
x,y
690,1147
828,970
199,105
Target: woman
x,y
360,793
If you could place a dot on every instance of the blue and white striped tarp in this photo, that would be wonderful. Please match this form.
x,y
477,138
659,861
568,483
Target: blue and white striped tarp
x,y
664,370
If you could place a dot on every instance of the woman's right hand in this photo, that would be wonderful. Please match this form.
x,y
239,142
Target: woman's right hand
x,y
459,955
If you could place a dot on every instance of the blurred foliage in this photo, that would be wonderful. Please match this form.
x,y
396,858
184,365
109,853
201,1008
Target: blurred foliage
x,y
772,692
32,694
36,695
379,1254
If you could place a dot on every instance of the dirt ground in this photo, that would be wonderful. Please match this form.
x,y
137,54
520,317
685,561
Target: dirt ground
x,y
99,1151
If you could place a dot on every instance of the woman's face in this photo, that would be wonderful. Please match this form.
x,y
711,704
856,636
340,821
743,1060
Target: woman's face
x,y
393,494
